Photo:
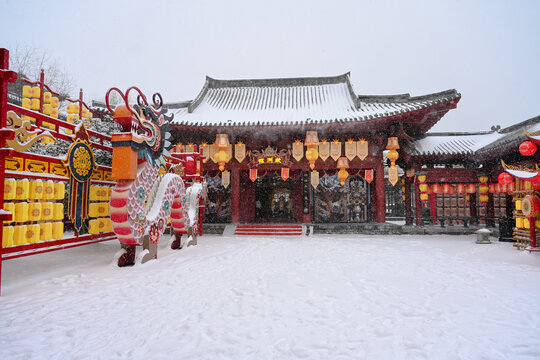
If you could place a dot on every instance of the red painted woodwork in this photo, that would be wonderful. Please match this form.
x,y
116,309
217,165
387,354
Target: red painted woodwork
x,y
296,190
408,202
235,191
379,191
433,206
419,220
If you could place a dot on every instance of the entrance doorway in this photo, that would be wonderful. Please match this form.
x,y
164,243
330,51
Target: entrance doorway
x,y
273,199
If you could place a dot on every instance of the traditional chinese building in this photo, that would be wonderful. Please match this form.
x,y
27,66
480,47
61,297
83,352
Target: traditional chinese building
x,y
301,149
461,171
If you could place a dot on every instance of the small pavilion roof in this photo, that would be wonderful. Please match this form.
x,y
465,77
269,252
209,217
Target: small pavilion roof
x,y
479,143
294,101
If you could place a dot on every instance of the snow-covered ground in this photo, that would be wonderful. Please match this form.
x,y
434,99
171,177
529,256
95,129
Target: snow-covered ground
x,y
319,297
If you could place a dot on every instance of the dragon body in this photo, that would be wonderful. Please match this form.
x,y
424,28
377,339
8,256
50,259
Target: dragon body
x,y
141,207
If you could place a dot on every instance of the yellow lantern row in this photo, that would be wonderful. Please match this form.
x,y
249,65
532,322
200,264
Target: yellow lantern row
x,y
31,234
72,108
31,104
524,223
29,91
100,193
96,226
44,211
33,190
100,209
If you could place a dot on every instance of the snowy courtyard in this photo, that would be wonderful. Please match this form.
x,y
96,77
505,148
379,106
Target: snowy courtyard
x,y
319,297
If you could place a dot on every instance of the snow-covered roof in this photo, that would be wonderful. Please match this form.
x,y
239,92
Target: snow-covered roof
x,y
472,143
293,101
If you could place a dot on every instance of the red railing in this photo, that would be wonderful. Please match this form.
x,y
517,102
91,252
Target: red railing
x,y
26,165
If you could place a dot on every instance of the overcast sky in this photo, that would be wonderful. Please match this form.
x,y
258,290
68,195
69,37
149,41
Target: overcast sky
x,y
488,50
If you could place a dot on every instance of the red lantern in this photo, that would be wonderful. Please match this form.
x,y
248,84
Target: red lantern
x,y
505,178
436,189
191,166
448,189
492,188
460,188
471,189
527,148
499,188
535,182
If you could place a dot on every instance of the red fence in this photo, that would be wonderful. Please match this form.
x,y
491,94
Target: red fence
x,y
32,221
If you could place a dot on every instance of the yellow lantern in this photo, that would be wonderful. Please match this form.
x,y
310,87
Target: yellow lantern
x,y
45,231
393,143
22,191
36,92
7,236
35,104
483,179
221,158
47,108
58,230
58,211
27,103
93,226
312,140
32,233
392,156
312,155
54,113
27,91
342,164
34,211
59,190
19,235
21,212
10,188
55,102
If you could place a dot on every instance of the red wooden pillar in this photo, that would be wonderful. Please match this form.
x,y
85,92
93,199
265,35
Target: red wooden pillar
x,y
235,193
379,190
418,205
433,205
408,202
490,211
6,77
306,218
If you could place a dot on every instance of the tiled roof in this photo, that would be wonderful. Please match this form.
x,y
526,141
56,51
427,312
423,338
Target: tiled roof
x,y
472,143
293,101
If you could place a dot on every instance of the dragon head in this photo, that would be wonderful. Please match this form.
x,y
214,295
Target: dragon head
x,y
148,124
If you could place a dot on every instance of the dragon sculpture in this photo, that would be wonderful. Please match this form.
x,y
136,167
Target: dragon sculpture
x,y
145,198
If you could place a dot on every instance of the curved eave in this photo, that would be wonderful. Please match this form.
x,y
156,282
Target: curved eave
x,y
419,120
